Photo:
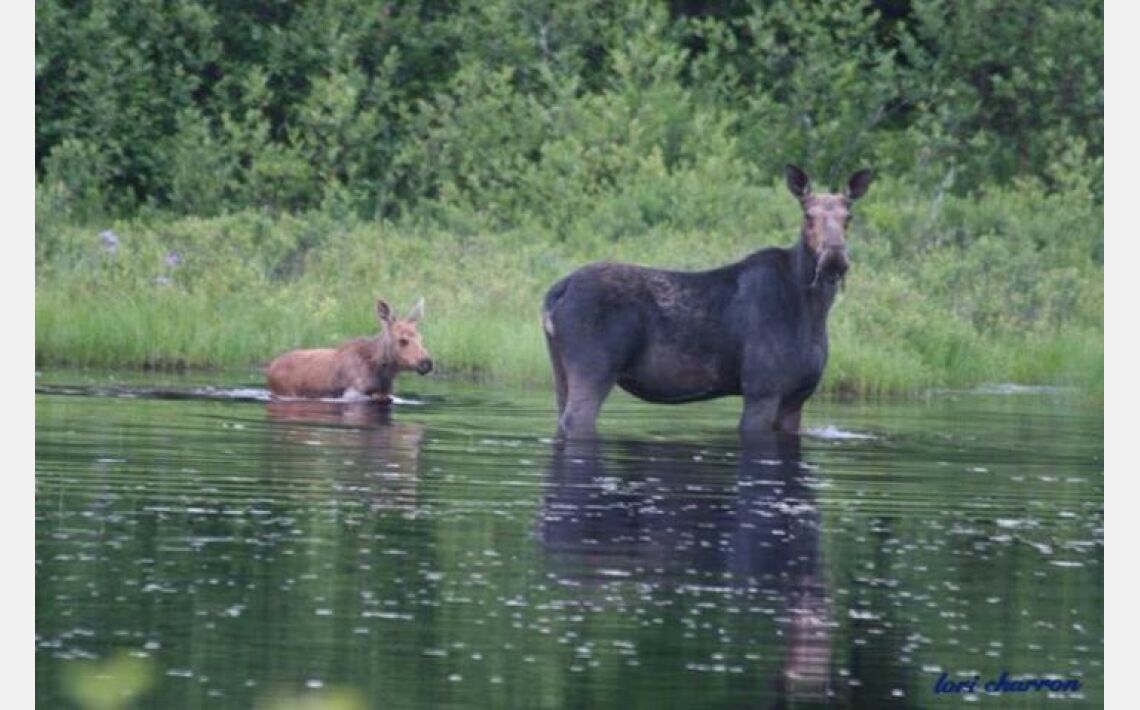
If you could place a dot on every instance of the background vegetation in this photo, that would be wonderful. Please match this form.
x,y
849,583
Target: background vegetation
x,y
216,182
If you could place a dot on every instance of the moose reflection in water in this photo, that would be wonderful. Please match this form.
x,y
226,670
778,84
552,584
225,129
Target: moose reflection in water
x,y
372,454
670,515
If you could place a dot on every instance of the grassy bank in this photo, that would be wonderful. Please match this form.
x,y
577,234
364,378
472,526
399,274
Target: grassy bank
x,y
944,290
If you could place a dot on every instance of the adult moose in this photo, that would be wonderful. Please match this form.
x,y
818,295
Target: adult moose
x,y
756,328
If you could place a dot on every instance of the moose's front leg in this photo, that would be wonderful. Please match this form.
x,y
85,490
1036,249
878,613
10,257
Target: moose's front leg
x,y
760,412
378,389
382,392
788,420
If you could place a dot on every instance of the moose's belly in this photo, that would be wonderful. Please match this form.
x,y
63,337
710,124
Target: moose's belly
x,y
670,376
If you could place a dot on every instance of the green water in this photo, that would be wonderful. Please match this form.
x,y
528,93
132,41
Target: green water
x,y
199,547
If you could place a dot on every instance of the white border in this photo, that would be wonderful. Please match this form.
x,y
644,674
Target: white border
x,y
17,276
1120,302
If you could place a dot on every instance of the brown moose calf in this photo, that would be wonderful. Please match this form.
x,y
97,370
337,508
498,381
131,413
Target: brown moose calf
x,y
365,366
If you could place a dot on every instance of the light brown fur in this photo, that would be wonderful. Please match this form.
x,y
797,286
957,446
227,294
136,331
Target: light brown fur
x,y
825,221
366,365
826,216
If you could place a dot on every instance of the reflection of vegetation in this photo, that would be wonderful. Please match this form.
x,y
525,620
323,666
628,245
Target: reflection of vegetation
x,y
325,699
258,556
116,682
123,680
270,170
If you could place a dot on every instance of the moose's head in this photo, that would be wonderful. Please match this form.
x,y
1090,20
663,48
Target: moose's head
x,y
400,341
826,216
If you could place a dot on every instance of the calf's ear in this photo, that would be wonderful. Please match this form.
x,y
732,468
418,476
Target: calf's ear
x,y
383,312
797,180
417,311
858,184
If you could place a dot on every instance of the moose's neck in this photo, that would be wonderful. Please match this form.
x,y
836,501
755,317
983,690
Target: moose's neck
x,y
384,368
383,357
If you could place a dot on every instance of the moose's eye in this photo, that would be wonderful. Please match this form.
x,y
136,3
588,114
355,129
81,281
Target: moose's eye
x,y
403,342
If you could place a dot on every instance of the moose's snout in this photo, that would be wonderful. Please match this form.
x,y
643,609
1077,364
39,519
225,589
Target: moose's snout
x,y
834,261
831,266
424,366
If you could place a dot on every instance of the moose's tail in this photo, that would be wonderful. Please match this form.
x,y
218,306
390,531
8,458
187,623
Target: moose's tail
x,y
553,296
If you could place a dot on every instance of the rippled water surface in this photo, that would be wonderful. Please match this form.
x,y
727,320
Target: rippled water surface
x,y
200,546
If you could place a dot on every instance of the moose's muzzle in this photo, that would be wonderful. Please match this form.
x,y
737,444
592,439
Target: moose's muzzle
x,y
831,265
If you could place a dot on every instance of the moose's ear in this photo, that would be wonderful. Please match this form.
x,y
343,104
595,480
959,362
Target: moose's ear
x,y
417,311
797,181
383,311
858,184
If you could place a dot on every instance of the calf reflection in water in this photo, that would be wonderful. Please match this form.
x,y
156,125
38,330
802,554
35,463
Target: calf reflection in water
x,y
355,445
677,516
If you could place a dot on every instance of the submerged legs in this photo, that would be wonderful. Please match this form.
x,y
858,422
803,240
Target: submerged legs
x,y
788,420
584,397
767,413
759,415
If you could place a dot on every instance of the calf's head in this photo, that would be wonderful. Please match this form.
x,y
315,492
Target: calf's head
x,y
400,341
826,216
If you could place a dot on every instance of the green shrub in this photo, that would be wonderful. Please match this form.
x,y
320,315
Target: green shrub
x,y
513,107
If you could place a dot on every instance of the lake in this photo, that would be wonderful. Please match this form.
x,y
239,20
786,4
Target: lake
x,y
199,546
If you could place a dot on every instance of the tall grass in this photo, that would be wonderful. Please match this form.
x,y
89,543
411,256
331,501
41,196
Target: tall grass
x,y
1002,287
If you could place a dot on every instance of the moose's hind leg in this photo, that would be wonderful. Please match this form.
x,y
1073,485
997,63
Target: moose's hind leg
x,y
560,385
585,393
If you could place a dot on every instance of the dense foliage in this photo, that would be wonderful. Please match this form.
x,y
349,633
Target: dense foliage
x,y
510,106
284,163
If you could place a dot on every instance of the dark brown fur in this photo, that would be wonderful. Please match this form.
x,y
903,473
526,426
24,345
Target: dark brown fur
x,y
365,365
756,328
